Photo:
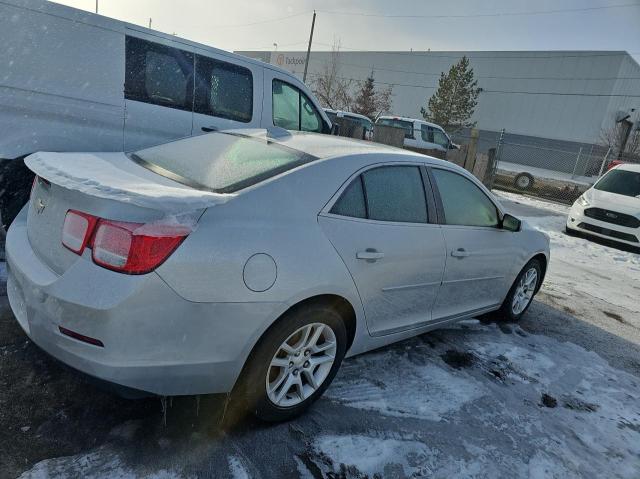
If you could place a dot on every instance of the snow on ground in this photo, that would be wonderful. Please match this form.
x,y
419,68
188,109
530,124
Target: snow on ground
x,y
472,401
581,270
102,463
545,405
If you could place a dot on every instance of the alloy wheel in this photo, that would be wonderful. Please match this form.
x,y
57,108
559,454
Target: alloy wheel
x,y
525,290
301,364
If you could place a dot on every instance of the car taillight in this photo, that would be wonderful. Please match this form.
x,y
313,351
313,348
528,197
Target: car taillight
x,y
135,248
77,229
131,248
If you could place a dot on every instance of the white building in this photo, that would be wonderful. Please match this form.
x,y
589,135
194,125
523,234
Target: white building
x,y
560,96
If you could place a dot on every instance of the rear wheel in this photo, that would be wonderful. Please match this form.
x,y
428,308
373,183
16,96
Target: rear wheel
x,y
521,293
523,181
294,363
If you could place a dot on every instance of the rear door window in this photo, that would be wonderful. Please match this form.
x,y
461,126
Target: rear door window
x,y
387,193
158,74
223,90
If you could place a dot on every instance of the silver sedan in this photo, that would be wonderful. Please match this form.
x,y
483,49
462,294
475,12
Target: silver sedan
x,y
253,263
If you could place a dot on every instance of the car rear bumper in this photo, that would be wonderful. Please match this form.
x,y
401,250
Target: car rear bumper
x,y
154,340
577,221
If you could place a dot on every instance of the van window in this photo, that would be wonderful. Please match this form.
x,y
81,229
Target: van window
x,y
223,90
158,74
292,109
406,125
440,138
427,133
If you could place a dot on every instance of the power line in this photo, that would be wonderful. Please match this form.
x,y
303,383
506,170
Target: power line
x,y
480,15
260,22
429,87
478,76
474,55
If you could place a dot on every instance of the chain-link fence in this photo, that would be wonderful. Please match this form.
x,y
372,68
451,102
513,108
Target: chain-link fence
x,y
552,169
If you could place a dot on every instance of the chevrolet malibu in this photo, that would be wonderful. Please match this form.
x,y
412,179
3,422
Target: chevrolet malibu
x,y
254,262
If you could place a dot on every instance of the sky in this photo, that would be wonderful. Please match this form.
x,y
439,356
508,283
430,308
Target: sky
x,y
389,25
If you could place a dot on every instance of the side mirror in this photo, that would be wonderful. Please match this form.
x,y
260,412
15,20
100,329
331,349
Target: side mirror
x,y
453,146
510,223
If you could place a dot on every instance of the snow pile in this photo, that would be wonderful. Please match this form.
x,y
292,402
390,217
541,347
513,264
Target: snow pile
x,y
115,177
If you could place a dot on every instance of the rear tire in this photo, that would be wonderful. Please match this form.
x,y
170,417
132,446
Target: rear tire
x,y
287,355
521,293
15,186
523,181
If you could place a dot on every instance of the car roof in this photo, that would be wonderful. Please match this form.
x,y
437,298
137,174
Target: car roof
x,y
322,146
414,120
629,167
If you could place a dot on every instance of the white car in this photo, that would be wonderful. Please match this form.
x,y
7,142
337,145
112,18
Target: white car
x,y
611,208
75,81
365,122
419,134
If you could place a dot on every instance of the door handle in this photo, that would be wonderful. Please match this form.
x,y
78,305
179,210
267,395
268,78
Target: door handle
x,y
370,255
460,253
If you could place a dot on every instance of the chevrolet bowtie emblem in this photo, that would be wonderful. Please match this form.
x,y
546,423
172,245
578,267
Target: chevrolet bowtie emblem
x,y
40,206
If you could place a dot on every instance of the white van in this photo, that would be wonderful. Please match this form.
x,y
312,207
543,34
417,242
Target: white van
x,y
71,80
419,134
365,122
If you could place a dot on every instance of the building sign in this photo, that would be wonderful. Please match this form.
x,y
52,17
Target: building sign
x,y
293,62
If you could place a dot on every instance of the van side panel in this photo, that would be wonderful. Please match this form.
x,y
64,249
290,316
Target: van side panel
x,y
61,81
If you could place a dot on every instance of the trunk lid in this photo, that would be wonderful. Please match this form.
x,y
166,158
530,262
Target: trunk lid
x,y
107,185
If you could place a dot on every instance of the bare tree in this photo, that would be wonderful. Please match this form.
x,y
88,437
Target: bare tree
x,y
332,90
612,136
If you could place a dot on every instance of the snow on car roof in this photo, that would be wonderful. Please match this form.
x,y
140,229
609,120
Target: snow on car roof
x,y
629,167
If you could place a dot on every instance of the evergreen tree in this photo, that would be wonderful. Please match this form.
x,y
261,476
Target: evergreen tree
x,y
369,101
453,103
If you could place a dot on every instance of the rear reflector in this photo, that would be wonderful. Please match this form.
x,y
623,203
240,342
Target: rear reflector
x,y
77,230
80,337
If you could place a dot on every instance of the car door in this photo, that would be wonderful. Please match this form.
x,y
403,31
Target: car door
x,y
227,95
388,238
480,254
158,93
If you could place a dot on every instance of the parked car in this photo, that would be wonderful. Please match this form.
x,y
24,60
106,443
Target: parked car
x,y
251,263
361,120
611,208
419,134
91,83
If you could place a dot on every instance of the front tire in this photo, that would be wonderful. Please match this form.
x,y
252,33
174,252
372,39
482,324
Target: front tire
x,y
522,291
293,364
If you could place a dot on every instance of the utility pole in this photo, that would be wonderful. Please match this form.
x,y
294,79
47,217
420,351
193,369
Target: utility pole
x,y
149,23
96,6
306,63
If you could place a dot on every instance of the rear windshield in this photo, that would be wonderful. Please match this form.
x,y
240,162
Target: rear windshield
x,y
406,125
220,162
621,182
